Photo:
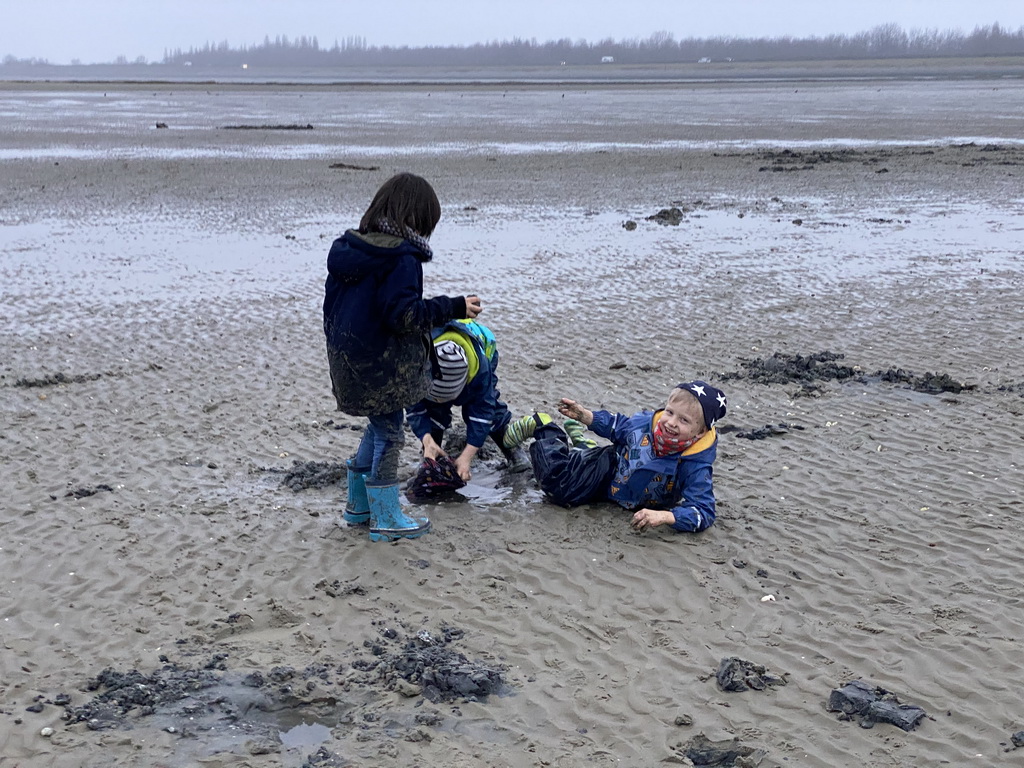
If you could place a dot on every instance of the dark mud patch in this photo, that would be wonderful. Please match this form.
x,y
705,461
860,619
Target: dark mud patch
x,y
303,475
702,752
932,383
808,370
1017,389
797,160
271,127
990,154
870,704
735,674
85,492
56,379
788,369
880,160
674,215
350,167
119,693
761,433
214,705
427,663
63,379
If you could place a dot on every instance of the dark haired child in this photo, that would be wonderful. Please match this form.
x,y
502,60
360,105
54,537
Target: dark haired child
x,y
378,326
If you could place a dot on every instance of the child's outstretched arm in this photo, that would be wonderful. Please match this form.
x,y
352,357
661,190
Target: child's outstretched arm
x,y
573,410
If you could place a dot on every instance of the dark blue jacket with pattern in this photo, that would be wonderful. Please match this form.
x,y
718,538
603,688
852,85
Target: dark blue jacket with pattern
x,y
681,482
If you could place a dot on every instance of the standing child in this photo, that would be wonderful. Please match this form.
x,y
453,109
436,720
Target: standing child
x,y
658,465
377,325
466,375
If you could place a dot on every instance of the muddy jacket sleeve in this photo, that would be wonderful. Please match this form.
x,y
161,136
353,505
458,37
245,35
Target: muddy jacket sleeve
x,y
420,419
481,401
406,311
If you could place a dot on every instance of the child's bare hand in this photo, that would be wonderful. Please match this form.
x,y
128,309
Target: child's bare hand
x,y
462,467
573,410
651,518
431,450
473,306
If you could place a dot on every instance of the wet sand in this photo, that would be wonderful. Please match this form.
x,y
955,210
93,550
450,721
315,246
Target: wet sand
x,y
163,369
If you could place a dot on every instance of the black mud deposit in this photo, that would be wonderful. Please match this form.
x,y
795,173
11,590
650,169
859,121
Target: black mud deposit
x,y
788,369
428,661
807,370
56,379
313,474
219,708
702,752
735,674
871,705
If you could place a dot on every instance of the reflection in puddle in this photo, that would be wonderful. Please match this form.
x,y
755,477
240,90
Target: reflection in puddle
x,y
305,735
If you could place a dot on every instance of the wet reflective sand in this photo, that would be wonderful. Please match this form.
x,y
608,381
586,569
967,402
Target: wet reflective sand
x,y
174,277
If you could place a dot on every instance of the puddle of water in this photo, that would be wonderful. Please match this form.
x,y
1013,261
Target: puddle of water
x,y
305,735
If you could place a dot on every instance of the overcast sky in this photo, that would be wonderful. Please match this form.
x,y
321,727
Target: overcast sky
x,y
101,30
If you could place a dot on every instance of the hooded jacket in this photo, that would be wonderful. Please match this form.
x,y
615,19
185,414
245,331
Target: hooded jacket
x,y
482,409
681,482
377,322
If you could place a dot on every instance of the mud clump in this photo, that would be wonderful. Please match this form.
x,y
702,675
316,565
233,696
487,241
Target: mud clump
x,y
873,704
787,369
932,383
761,433
735,674
85,492
805,370
323,758
123,692
55,379
668,216
313,474
426,660
702,752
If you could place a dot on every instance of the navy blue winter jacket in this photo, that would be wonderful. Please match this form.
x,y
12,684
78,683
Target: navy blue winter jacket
x,y
377,322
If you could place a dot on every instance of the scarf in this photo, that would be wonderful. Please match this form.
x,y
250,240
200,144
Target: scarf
x,y
663,445
385,225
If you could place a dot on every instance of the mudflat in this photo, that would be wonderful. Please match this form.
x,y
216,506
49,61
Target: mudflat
x,y
179,586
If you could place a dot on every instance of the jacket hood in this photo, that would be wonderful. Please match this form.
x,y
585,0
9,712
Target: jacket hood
x,y
353,256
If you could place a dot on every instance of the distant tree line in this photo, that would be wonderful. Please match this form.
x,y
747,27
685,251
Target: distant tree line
x,y
882,42
887,41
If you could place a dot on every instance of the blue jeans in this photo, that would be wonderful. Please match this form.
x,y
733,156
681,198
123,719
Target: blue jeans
x,y
380,447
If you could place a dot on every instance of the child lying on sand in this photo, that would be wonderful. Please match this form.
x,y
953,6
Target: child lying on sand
x,y
659,462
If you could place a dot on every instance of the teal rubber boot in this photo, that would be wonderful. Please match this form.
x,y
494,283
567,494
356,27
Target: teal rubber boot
x,y
387,521
357,507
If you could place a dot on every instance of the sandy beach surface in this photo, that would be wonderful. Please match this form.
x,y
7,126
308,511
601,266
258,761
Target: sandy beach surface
x,y
179,588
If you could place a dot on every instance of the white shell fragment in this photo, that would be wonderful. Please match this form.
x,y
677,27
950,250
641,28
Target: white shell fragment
x,y
768,599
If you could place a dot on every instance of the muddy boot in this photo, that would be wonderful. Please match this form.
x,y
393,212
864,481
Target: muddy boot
x,y
387,520
516,458
357,507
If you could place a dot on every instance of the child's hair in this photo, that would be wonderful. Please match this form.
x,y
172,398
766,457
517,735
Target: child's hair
x,y
687,399
710,399
405,200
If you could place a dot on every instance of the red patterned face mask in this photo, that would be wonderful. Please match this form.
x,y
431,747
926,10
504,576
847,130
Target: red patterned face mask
x,y
663,445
